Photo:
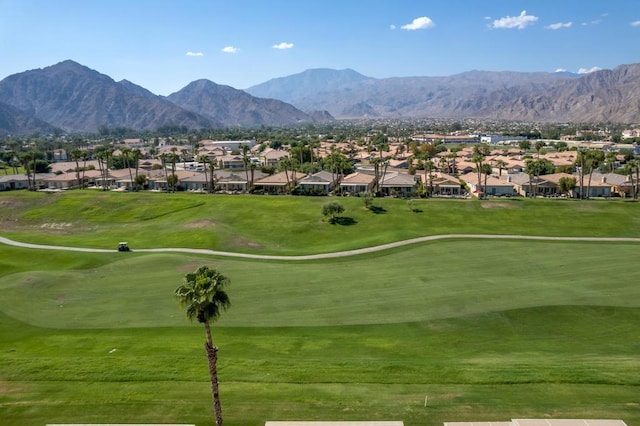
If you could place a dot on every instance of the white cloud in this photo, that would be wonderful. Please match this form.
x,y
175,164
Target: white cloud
x,y
282,46
392,27
559,25
421,23
561,70
195,53
230,49
520,22
588,70
635,24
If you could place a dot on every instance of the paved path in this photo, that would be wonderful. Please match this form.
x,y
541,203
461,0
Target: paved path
x,y
325,255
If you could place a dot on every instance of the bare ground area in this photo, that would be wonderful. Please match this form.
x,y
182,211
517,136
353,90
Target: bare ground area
x,y
498,205
200,224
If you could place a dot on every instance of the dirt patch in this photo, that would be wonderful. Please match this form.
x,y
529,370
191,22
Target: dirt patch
x,y
243,242
56,226
447,396
7,388
498,206
200,224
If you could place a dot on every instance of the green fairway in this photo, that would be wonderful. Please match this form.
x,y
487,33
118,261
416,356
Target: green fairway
x,y
290,225
488,329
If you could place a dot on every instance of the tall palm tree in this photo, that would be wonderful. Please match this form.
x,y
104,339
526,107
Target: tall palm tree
x,y
205,161
126,157
76,155
136,155
202,294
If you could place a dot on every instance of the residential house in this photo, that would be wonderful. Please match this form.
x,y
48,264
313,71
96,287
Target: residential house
x,y
321,181
123,179
271,157
357,182
488,185
198,182
12,182
279,183
157,181
445,185
61,181
231,182
599,185
231,162
60,155
398,184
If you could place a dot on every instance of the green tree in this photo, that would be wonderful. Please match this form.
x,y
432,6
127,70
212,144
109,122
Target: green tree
x,y
567,184
524,145
367,199
172,181
538,146
203,294
332,209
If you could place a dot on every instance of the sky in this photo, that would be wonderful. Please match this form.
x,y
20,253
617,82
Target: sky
x,y
163,45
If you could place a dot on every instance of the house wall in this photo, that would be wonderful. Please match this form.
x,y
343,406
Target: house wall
x,y
354,189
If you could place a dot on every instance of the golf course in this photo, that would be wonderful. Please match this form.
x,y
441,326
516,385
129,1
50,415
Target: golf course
x,y
364,319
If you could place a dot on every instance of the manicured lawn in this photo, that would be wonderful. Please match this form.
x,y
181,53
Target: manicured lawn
x,y
488,329
290,225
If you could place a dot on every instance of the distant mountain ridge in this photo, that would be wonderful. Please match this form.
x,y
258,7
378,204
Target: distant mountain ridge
x,y
78,99
74,98
606,95
306,83
15,122
234,107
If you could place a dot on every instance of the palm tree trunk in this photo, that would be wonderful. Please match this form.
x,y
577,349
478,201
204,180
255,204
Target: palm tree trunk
x,y
212,356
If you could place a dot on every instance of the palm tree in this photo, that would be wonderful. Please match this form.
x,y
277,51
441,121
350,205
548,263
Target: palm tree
x,y
205,161
163,159
538,146
76,155
245,160
594,158
136,155
531,167
126,157
202,294
501,165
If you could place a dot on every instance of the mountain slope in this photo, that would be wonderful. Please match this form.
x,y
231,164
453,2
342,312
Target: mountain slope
x,y
442,97
235,107
76,98
305,84
15,122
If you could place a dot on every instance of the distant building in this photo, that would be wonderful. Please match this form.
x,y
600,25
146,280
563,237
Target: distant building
x,y
496,139
447,139
228,145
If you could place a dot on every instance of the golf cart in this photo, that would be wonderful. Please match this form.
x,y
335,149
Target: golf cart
x,y
123,246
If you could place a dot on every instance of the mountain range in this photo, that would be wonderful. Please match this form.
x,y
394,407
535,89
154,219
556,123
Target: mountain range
x,y
601,96
73,98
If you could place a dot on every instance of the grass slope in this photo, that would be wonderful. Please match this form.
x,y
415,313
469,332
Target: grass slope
x,y
287,225
490,330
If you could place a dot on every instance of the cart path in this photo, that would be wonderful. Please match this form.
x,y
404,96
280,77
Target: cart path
x,y
326,255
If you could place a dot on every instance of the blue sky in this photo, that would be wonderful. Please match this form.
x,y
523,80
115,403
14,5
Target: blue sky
x,y
163,45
